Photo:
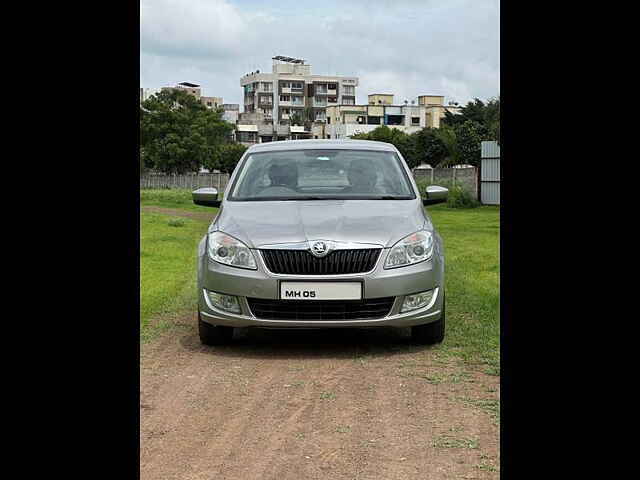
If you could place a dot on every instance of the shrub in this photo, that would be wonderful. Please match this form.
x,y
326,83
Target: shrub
x,y
460,197
175,222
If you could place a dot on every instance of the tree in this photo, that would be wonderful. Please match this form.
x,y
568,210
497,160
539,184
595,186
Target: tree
x,y
296,119
303,118
469,135
486,117
447,135
227,157
429,148
403,142
178,134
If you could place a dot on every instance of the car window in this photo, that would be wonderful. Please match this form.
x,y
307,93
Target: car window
x,y
320,174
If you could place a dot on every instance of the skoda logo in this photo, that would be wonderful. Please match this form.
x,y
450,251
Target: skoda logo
x,y
319,249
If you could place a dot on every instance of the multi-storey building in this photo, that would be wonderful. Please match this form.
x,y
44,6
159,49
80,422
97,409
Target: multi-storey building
x,y
271,100
435,109
230,112
343,121
195,90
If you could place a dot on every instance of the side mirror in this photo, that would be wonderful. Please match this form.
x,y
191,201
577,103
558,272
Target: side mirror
x,y
207,197
435,194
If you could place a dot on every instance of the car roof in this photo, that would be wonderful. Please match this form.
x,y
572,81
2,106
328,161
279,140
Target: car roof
x,y
345,144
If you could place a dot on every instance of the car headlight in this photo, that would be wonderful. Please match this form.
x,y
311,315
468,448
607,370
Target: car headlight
x,y
225,249
414,248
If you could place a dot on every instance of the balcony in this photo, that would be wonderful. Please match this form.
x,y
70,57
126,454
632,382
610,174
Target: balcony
x,y
285,90
265,129
319,103
283,129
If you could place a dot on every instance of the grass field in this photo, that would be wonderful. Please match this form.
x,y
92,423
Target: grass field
x,y
472,268
471,238
167,267
172,198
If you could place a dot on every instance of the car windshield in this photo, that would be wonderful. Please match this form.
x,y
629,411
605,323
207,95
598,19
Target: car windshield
x,y
322,175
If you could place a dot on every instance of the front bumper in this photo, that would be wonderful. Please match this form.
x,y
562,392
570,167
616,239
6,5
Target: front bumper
x,y
378,283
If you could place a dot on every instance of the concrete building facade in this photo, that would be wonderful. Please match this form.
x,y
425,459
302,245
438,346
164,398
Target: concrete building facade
x,y
272,99
230,112
344,121
195,90
435,109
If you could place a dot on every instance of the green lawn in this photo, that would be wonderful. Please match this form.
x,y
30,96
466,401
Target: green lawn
x,y
472,266
167,267
471,238
172,198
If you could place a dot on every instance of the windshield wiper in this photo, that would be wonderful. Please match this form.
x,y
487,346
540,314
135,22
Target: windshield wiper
x,y
393,197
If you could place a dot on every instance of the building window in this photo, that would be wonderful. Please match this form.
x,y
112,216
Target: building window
x,y
348,101
349,90
285,98
249,137
415,120
285,85
209,104
297,85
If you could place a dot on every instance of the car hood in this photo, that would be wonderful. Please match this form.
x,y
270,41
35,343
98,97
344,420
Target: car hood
x,y
381,222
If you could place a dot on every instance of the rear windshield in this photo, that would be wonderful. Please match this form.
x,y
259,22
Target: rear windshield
x,y
322,175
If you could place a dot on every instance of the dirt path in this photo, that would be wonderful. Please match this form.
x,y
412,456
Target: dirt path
x,y
347,404
208,217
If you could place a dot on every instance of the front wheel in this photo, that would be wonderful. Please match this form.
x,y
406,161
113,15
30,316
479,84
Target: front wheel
x,y
213,334
430,333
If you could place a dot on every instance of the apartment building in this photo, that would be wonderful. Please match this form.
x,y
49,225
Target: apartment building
x,y
196,90
343,121
272,99
435,109
212,102
230,112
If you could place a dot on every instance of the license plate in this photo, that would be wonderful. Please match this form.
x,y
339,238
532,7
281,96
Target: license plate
x,y
320,291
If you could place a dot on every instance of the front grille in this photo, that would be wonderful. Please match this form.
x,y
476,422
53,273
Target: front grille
x,y
367,309
302,262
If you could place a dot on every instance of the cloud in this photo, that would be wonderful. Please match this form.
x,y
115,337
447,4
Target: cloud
x,y
405,47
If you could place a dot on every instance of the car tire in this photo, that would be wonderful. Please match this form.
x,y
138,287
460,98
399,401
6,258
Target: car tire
x,y
430,333
213,334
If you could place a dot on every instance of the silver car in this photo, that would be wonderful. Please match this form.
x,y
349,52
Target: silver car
x,y
321,234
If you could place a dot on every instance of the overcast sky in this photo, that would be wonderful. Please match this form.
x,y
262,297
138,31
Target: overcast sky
x,y
405,47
